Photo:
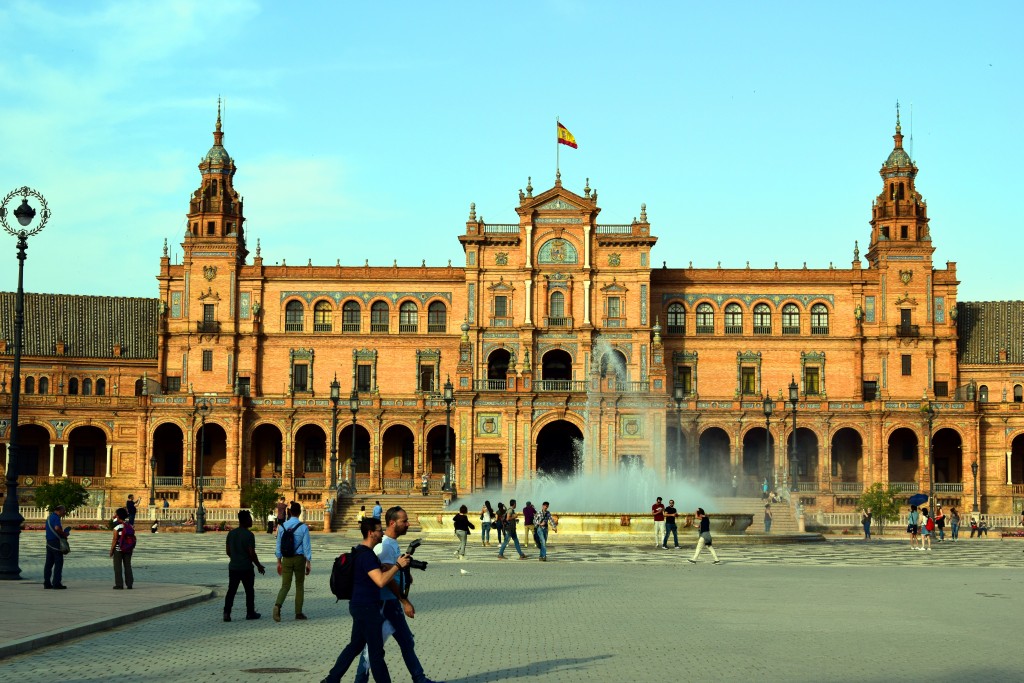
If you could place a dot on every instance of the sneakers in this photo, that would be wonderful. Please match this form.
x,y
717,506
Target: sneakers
x,y
717,562
691,561
277,613
300,617
664,547
59,586
254,615
522,557
502,557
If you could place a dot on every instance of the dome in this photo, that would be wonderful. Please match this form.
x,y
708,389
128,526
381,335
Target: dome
x,y
898,157
217,155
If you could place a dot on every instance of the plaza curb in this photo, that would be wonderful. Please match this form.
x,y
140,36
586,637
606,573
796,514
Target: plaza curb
x,y
23,645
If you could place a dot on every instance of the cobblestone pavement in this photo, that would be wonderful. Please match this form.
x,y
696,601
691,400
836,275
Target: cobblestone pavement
x,y
842,610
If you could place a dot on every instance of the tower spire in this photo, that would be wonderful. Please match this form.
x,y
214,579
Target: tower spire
x,y
898,137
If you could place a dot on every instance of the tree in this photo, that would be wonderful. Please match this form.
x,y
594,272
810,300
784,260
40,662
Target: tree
x,y
881,501
260,497
70,494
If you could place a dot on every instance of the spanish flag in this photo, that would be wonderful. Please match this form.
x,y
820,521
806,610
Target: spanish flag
x,y
565,137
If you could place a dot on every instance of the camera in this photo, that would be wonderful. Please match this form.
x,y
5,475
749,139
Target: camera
x,y
415,564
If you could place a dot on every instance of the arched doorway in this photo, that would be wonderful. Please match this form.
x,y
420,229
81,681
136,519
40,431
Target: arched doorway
x,y
614,373
310,455
87,448
396,453
757,464
35,451
1017,459
361,462
714,468
847,456
491,471
947,451
169,451
435,449
211,461
806,458
903,457
559,449
557,365
497,365
266,452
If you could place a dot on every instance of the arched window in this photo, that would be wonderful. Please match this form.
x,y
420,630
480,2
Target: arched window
x,y
733,319
73,386
86,387
293,314
408,318
350,314
101,387
983,393
705,319
30,385
676,319
322,316
790,319
762,319
379,314
44,385
437,317
556,306
1018,392
819,319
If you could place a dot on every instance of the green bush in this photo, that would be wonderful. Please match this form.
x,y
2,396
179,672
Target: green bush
x,y
881,501
260,497
70,494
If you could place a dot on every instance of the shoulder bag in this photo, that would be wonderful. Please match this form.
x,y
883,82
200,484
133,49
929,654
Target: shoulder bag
x,y
62,542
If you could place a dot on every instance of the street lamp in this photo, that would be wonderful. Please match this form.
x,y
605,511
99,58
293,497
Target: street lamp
x,y
678,394
152,480
448,486
794,464
353,405
974,473
929,411
10,518
769,406
335,396
203,409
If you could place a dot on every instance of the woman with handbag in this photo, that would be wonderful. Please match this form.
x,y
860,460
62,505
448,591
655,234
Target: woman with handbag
x,y
56,548
462,528
486,517
913,526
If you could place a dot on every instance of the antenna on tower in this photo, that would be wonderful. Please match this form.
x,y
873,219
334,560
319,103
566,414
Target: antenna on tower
x,y
911,146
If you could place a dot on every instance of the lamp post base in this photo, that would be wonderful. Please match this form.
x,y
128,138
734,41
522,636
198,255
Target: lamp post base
x,y
10,531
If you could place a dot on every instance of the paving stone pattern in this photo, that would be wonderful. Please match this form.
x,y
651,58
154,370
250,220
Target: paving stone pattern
x,y
836,611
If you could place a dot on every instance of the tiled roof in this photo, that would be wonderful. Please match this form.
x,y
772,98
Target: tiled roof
x,y
89,326
985,327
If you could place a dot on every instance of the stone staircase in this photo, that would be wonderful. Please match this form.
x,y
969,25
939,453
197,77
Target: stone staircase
x,y
415,505
783,522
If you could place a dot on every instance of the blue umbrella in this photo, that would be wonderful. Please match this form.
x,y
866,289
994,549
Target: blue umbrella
x,y
917,499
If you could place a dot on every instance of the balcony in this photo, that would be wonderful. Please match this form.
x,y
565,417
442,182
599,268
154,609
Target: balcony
x,y
632,387
949,487
557,321
350,328
501,228
904,486
309,482
378,328
167,481
212,482
437,328
705,329
734,329
490,384
613,322
675,329
819,330
848,487
807,486
908,331
293,327
560,385
273,481
762,329
408,328
322,327
208,327
790,329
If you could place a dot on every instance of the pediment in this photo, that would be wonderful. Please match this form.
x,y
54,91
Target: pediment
x,y
558,204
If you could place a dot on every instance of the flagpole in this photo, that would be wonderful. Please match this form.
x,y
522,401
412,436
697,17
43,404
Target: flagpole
x,y
557,149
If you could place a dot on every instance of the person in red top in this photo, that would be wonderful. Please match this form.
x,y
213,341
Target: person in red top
x,y
658,511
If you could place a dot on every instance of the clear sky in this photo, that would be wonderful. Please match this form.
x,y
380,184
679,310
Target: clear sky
x,y
754,131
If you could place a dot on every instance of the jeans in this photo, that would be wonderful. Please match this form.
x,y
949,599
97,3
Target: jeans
x,y
54,562
955,533
501,533
670,528
768,525
247,577
366,625
293,565
462,542
942,533
867,531
485,532
123,561
542,540
510,535
394,613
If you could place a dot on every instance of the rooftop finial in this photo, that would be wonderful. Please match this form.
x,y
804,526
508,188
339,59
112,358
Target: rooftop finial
x,y
257,247
529,186
643,213
558,178
898,116
165,247
472,212
586,189
218,113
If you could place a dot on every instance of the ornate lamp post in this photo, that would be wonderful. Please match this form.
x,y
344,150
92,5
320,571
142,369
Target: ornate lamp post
x,y
929,411
794,464
152,480
677,394
335,396
769,406
203,409
974,473
448,398
10,518
353,405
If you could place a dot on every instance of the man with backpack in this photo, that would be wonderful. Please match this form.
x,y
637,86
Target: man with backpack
x,y
510,531
294,558
121,548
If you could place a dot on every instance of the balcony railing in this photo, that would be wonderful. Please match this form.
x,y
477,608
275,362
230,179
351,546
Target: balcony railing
x,y
293,327
821,330
762,329
675,329
437,328
904,486
167,481
632,387
557,321
807,486
614,322
408,328
848,486
501,228
1017,489
208,327
614,229
378,327
349,328
501,322
908,331
490,384
790,329
705,329
734,329
322,327
561,385
273,481
949,487
309,482
213,482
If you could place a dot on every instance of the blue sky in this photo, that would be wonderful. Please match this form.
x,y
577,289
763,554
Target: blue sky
x,y
753,131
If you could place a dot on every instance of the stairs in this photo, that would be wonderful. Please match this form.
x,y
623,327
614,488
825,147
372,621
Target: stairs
x,y
415,505
783,522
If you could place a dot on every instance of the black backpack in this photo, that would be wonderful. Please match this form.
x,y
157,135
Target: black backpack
x,y
343,573
288,540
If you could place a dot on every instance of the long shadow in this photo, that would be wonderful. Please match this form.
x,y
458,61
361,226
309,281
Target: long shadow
x,y
551,666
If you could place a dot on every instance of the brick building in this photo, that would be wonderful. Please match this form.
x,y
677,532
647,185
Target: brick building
x,y
566,351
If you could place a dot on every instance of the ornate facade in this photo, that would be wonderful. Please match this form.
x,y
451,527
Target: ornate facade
x,y
566,350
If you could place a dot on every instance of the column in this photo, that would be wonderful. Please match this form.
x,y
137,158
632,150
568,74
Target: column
x,y
51,460
586,300
529,250
586,245
1009,471
529,301
64,461
110,450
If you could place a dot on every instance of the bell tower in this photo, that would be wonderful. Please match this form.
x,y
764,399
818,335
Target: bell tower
x,y
899,215
215,218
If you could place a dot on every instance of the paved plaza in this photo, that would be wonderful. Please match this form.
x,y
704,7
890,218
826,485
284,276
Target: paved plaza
x,y
842,610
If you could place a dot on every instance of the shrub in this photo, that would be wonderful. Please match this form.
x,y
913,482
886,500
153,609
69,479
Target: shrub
x,y
70,494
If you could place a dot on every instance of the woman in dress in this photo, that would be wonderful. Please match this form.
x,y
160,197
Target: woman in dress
x,y
486,517
462,528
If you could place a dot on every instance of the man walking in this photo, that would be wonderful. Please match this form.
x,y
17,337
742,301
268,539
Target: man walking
x,y
131,508
670,526
122,545
510,531
241,548
294,558
395,598
53,567
658,512
282,513
365,606
377,511
528,513
544,522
